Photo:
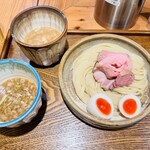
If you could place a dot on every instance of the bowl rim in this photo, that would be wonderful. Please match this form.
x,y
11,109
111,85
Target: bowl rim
x,y
87,118
38,94
59,12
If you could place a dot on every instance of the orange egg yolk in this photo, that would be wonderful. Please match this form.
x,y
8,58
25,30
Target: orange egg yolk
x,y
103,106
130,106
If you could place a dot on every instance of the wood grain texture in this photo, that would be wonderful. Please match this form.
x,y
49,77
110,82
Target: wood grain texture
x,y
80,16
56,128
8,10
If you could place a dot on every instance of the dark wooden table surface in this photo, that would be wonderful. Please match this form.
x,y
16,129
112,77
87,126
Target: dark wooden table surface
x,y
56,128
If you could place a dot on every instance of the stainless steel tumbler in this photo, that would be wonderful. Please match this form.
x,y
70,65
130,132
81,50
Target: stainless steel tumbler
x,y
117,14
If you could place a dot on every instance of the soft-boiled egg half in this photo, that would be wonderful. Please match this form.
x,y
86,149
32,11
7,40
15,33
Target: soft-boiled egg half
x,y
130,106
100,105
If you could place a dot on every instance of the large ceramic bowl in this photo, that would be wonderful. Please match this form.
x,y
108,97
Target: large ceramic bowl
x,y
10,68
32,19
71,96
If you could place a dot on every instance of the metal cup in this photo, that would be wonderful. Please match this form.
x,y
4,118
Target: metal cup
x,y
117,14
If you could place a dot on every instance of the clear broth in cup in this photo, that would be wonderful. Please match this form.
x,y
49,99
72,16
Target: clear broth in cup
x,y
41,36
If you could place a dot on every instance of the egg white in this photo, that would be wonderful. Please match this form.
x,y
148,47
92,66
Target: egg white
x,y
94,110
138,102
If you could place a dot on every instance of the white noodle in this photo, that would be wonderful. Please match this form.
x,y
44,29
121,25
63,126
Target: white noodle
x,y
86,86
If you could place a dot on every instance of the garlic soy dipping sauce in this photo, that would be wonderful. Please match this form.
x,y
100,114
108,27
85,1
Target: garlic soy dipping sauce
x,y
16,96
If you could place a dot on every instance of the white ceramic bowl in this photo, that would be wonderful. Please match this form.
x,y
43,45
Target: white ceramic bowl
x,y
16,68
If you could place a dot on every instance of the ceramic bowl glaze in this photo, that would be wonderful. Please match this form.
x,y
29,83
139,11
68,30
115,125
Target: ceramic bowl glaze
x,y
36,17
73,100
15,68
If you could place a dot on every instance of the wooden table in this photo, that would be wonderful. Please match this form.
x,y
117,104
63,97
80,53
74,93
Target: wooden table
x,y
56,128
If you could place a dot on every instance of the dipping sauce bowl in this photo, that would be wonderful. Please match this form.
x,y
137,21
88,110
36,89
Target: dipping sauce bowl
x,y
20,93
